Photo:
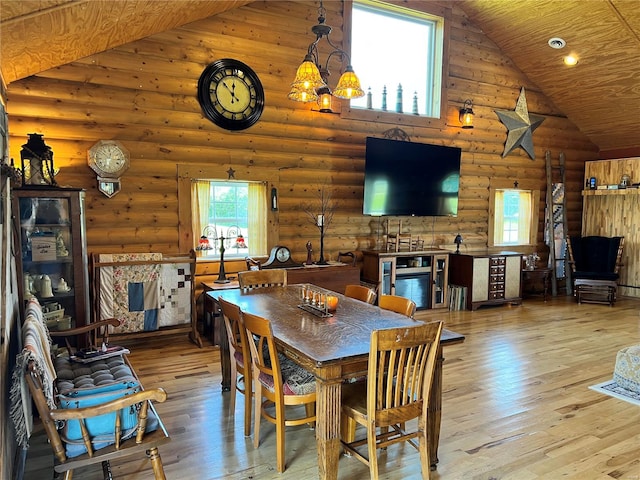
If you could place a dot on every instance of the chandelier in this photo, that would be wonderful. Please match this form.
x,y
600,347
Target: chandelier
x,y
310,84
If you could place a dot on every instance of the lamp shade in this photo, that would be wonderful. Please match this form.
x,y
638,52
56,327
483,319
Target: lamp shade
x,y
302,95
307,76
348,85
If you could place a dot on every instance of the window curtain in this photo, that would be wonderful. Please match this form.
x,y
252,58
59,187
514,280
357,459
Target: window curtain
x,y
498,218
201,197
524,217
257,216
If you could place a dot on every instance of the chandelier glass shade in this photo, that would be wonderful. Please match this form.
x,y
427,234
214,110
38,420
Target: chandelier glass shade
x,y
311,76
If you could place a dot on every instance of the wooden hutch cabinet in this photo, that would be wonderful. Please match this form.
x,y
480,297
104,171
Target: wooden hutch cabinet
x,y
490,278
418,275
52,263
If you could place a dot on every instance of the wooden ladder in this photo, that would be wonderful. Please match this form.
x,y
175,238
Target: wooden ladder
x,y
557,218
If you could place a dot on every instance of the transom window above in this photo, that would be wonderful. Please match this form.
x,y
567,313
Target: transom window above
x,y
397,53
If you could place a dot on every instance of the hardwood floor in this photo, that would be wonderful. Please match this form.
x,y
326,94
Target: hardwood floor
x,y
516,405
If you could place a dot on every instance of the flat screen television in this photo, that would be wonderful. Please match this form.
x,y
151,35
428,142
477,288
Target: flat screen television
x,y
410,179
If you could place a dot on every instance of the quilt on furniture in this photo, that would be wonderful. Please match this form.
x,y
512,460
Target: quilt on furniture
x,y
145,296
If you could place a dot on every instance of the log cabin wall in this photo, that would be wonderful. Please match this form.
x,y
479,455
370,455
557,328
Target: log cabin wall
x,y
144,95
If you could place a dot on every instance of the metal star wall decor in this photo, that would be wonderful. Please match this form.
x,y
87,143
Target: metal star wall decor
x,y
520,125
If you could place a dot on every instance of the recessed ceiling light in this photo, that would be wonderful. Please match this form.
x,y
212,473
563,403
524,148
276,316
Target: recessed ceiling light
x,y
556,42
570,60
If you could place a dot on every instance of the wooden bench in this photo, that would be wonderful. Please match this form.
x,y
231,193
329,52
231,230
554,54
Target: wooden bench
x,y
142,437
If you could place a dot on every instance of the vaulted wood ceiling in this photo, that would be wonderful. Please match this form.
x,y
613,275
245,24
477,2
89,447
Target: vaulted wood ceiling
x,y
601,94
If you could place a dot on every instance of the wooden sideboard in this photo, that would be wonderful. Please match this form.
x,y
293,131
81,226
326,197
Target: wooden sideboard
x,y
418,275
331,277
490,278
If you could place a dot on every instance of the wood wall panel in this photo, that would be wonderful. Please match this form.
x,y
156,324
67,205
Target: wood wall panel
x,y
143,94
616,213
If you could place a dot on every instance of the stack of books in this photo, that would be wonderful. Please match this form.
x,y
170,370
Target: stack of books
x,y
457,297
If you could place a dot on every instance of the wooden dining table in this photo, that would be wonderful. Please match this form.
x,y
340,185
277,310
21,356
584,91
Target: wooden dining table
x,y
334,348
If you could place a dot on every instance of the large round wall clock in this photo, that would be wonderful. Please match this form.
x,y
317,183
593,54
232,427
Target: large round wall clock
x,y
230,94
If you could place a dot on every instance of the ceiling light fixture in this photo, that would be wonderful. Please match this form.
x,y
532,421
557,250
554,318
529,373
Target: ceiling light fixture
x,y
570,60
310,83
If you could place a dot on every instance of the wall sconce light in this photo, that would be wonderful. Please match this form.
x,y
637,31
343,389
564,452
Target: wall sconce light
x,y
466,114
274,199
458,241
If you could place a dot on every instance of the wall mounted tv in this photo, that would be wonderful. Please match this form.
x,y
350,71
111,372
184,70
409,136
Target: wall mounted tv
x,y
406,178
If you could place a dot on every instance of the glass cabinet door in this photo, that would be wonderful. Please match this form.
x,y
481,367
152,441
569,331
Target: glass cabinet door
x,y
53,258
388,276
440,280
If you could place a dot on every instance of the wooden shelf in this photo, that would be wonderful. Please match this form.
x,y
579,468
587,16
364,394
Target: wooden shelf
x,y
621,191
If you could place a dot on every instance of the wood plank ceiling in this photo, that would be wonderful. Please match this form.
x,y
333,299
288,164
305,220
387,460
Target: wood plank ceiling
x,y
601,94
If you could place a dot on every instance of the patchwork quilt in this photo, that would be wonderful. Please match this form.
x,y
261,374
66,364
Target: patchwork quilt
x,y
144,296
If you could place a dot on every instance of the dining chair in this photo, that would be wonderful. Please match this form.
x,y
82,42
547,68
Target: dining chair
x,y
280,381
401,368
360,292
274,277
240,359
397,304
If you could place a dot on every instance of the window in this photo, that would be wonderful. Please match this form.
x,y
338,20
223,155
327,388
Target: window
x,y
393,46
513,218
235,211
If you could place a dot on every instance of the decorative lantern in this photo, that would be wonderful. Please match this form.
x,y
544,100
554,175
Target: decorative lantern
x,y
37,162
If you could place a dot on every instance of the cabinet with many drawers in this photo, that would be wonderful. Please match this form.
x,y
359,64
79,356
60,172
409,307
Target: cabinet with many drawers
x,y
489,278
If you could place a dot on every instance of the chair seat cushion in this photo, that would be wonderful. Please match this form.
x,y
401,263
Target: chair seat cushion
x,y
627,369
96,377
596,275
296,380
239,358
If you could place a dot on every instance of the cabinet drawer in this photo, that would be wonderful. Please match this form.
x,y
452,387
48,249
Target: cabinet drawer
x,y
497,261
496,269
496,295
496,278
494,287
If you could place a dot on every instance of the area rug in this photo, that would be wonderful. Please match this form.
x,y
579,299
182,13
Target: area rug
x,y
612,389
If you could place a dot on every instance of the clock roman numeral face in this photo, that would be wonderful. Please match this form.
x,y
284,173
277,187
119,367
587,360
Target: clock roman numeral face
x,y
230,94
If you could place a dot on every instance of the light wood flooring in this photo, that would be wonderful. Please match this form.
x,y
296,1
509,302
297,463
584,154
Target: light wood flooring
x,y
516,405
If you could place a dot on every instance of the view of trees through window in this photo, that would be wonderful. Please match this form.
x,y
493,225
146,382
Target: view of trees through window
x,y
228,212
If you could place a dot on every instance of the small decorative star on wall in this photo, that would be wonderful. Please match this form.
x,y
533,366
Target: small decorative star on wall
x,y
520,125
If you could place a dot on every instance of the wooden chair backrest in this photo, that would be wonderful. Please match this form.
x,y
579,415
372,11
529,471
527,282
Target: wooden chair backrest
x,y
401,367
138,444
274,277
397,304
236,333
360,292
259,328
